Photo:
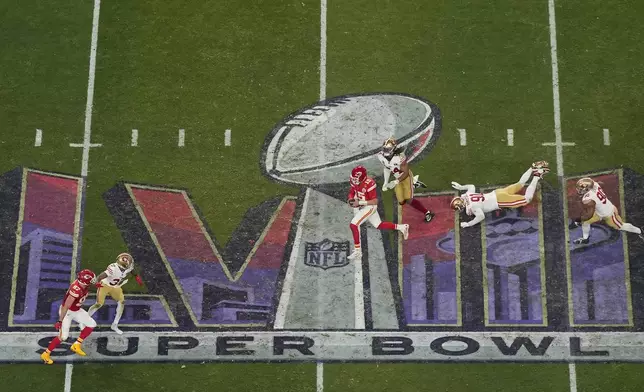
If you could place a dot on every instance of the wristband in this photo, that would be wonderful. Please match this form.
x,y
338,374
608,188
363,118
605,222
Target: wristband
x,y
362,203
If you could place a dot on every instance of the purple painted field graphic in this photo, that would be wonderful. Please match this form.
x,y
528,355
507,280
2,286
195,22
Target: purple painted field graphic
x,y
46,257
46,261
213,294
430,273
599,288
514,265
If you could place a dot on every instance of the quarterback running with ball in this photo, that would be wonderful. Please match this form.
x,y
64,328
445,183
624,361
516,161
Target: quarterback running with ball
x,y
477,204
364,200
110,282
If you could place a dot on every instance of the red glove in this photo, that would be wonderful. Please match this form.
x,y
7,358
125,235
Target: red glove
x,y
139,280
99,285
58,325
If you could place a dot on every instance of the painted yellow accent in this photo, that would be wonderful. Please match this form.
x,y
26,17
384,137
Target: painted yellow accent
x,y
16,258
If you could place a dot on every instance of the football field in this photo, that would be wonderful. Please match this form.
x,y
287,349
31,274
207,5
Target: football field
x,y
151,127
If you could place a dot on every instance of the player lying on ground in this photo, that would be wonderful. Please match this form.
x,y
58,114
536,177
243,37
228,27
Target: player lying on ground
x,y
110,282
70,310
596,207
394,161
364,200
477,204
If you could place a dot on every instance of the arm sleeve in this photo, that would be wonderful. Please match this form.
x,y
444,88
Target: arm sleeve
x,y
469,188
479,216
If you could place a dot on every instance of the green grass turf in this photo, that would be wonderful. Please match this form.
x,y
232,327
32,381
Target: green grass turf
x,y
601,82
164,66
210,67
446,377
43,82
460,56
32,377
196,377
610,377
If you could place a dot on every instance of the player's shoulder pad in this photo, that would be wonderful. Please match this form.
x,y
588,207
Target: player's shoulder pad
x,y
75,290
369,181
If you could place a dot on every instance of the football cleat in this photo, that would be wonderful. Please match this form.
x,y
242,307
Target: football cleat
x,y
418,184
357,254
358,175
574,224
116,329
76,347
581,241
429,216
405,231
46,358
389,147
584,185
457,204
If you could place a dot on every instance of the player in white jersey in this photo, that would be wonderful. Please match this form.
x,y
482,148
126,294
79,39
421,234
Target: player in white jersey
x,y
394,162
110,282
477,204
597,207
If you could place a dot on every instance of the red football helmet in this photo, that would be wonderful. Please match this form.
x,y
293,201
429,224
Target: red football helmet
x,y
86,277
358,174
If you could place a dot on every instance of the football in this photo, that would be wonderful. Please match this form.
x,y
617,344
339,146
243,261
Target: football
x,y
320,144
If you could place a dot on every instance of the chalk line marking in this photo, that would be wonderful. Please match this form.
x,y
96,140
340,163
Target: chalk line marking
x,y
606,137
319,376
510,137
463,136
560,144
182,138
85,146
38,141
323,7
227,136
572,376
135,138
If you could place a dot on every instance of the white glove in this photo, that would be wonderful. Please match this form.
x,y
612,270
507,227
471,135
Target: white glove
x,y
384,187
457,186
391,184
465,224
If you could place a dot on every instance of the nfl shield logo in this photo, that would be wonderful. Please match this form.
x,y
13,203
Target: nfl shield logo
x,y
326,254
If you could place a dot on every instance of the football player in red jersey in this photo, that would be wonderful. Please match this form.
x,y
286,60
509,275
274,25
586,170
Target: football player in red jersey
x,y
364,200
70,310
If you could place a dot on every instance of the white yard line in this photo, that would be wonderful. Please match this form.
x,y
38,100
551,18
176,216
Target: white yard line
x,y
69,368
90,90
87,143
227,136
463,136
182,138
555,87
323,6
319,377
358,294
289,278
572,376
561,144
38,141
510,137
606,137
135,138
